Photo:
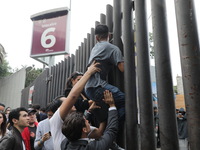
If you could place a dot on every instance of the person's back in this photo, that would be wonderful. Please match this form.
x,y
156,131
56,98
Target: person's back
x,y
108,55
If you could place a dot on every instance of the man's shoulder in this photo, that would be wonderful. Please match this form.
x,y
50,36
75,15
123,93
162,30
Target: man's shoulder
x,y
110,45
105,45
79,145
8,138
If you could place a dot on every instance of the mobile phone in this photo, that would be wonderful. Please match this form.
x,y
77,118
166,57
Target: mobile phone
x,y
50,133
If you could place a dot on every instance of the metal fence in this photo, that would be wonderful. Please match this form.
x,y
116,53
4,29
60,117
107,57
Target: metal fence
x,y
119,19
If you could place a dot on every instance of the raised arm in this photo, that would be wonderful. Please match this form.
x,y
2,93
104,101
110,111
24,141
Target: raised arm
x,y
110,133
76,90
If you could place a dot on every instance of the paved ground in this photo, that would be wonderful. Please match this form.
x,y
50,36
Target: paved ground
x,y
183,145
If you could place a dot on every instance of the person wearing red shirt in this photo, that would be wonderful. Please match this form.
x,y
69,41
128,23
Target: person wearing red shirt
x,y
29,132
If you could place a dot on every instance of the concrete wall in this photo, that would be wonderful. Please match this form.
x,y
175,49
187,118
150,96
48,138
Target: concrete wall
x,y
11,87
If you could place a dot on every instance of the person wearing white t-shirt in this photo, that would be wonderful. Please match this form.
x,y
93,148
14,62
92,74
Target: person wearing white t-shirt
x,y
56,121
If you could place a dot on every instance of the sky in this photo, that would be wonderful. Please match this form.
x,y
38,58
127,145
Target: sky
x,y
16,27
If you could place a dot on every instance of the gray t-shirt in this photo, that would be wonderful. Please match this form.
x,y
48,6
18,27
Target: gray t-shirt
x,y
107,55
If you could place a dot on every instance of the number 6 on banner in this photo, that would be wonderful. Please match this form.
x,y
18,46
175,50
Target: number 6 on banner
x,y
46,37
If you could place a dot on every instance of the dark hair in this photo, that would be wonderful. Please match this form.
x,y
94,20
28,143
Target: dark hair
x,y
101,31
43,109
6,109
2,105
36,106
73,125
54,105
73,76
15,113
4,124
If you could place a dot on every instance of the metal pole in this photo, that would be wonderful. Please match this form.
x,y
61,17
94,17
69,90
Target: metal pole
x,y
88,48
102,18
130,78
116,77
109,23
96,24
144,79
109,17
84,54
51,62
92,39
190,64
81,57
76,58
166,105
117,17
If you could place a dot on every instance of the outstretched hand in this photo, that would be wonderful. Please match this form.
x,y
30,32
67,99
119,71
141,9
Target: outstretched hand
x,y
93,68
108,98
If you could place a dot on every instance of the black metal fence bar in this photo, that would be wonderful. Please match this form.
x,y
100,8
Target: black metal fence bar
x,y
92,39
67,68
60,90
144,78
50,87
109,17
88,48
130,79
79,58
57,80
76,60
190,63
117,32
166,104
84,54
63,76
102,18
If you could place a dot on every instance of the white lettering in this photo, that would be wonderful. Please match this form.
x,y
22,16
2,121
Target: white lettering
x,y
49,25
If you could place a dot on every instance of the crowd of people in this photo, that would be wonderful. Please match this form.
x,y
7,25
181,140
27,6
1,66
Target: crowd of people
x,y
87,116
181,117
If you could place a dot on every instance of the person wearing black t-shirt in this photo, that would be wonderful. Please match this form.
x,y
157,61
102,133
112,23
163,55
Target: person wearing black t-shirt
x,y
29,132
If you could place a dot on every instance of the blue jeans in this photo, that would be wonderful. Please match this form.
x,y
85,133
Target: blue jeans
x,y
96,94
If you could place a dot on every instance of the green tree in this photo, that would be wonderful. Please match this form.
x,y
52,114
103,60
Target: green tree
x,y
5,69
175,89
31,74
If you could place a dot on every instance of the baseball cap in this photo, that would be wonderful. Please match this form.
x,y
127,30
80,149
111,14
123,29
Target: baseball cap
x,y
30,110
